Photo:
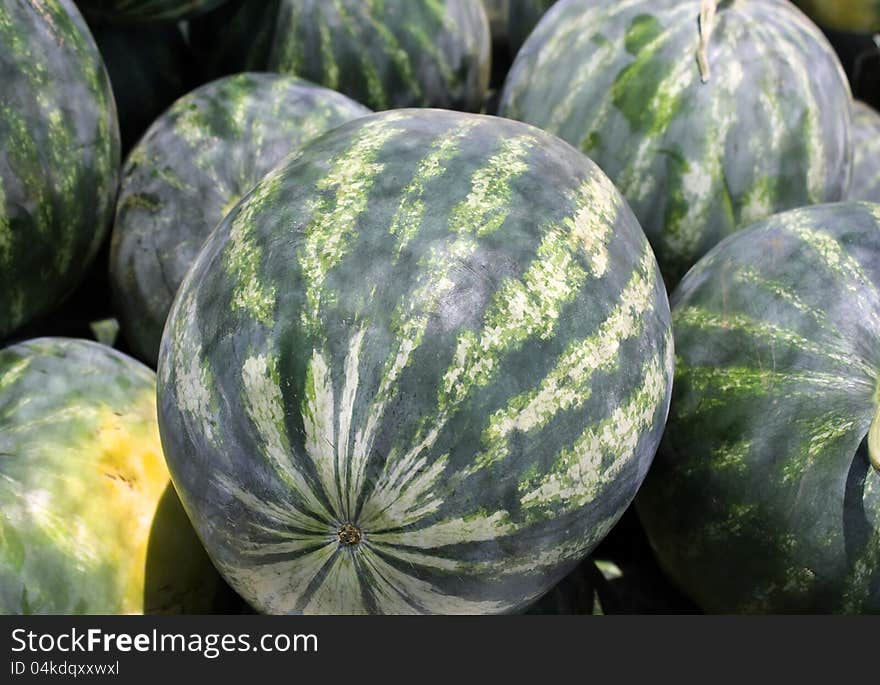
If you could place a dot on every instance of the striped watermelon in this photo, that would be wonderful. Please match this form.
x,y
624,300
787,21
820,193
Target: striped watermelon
x,y
765,496
139,11
705,125
193,165
149,68
861,16
89,521
382,53
423,367
866,154
59,153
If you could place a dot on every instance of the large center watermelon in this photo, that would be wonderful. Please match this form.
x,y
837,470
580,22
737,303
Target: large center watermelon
x,y
421,367
707,115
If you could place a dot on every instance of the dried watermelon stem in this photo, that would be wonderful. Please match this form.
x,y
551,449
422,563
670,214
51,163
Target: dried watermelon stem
x,y
707,24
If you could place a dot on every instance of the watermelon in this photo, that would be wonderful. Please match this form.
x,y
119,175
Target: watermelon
x,y
193,165
421,368
149,68
383,53
704,125
765,495
866,154
522,17
140,11
89,521
860,16
59,156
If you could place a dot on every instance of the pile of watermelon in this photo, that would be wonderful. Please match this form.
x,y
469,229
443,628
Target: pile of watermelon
x,y
439,306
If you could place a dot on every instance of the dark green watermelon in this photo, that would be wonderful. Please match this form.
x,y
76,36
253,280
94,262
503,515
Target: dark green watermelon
x,y
705,126
765,495
89,520
141,11
423,366
59,156
522,17
149,67
193,165
866,154
383,53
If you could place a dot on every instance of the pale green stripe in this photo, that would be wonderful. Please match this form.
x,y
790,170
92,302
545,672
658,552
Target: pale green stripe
x,y
486,206
392,48
340,590
334,220
375,89
389,584
14,372
285,515
192,376
764,333
330,77
317,412
568,385
751,381
251,294
822,434
264,405
530,307
403,502
754,277
479,527
860,288
346,410
411,211
811,107
280,585
581,472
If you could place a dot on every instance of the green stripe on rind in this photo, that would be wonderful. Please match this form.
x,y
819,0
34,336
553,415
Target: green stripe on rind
x,y
347,413
385,54
696,160
569,383
762,497
59,156
346,189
